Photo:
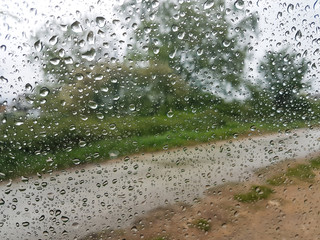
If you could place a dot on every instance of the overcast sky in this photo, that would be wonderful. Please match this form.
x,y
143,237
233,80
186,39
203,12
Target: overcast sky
x,y
281,23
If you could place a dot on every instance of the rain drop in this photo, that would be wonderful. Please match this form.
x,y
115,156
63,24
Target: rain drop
x,y
28,87
90,38
68,60
89,55
92,104
79,76
38,45
44,91
170,114
290,8
55,61
53,40
25,224
239,4
101,21
76,27
208,4
132,107
64,219
298,35
3,48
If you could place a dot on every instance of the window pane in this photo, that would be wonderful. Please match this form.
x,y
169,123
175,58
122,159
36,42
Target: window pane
x,y
170,119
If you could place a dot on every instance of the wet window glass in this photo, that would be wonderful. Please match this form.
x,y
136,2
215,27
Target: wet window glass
x,y
159,119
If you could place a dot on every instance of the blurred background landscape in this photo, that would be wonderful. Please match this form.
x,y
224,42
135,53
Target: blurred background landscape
x,y
149,76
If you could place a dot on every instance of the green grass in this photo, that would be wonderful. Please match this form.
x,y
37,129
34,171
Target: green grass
x,y
256,193
315,163
302,172
278,180
160,238
68,141
202,224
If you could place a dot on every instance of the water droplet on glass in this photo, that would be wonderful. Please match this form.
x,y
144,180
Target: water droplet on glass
x,y
208,4
156,50
38,45
3,79
25,224
64,219
28,87
253,128
55,61
170,114
92,104
298,35
174,28
98,77
68,60
76,27
290,8
3,48
239,4
132,107
90,38
100,116
18,123
82,144
104,89
101,21
89,55
76,161
181,35
114,153
79,76
112,126
53,40
44,91
199,52
75,225
226,43
279,15
61,52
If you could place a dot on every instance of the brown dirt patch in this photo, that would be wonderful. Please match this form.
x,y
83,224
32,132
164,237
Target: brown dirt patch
x,y
292,212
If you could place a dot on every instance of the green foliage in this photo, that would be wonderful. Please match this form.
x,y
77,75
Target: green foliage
x,y
302,172
315,163
69,142
199,46
62,46
202,224
160,238
283,74
256,193
278,180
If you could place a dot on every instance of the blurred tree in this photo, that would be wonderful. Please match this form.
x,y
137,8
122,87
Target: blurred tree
x,y
283,74
61,47
205,43
118,90
80,78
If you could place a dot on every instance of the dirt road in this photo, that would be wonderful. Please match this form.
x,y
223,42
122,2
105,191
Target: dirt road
x,y
75,202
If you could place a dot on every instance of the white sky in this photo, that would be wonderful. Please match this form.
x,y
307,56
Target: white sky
x,y
20,20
